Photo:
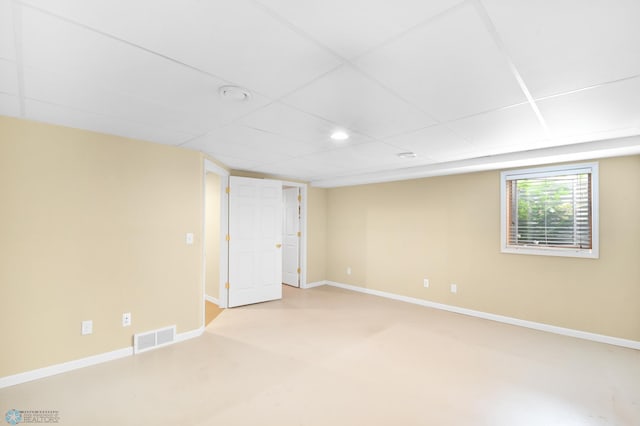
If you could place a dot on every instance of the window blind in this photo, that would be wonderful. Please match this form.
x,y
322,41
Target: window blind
x,y
549,210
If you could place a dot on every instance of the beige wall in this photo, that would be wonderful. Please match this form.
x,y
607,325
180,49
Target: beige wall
x,y
92,226
316,234
447,229
212,235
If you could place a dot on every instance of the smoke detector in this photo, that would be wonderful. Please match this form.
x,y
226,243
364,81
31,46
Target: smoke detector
x,y
234,93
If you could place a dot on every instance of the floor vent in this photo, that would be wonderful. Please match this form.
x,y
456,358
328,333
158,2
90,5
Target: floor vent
x,y
154,339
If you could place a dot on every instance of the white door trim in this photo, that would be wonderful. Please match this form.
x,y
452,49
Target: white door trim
x,y
303,230
211,167
291,276
224,174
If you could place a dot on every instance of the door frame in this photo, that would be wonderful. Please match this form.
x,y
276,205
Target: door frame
x,y
285,242
303,229
223,297
211,167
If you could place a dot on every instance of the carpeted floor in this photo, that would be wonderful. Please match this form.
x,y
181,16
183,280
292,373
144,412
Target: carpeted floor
x,y
326,356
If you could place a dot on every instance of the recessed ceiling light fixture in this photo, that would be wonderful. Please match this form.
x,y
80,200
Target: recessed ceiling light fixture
x,y
234,93
339,135
407,155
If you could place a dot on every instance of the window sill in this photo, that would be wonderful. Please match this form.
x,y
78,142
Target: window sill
x,y
547,251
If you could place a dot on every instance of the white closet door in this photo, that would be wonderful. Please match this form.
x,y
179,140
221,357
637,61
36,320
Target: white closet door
x,y
255,240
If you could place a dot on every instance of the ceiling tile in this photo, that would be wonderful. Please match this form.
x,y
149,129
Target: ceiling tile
x,y
232,39
300,168
234,162
293,124
9,105
345,29
361,158
289,122
56,114
436,143
571,139
238,144
605,108
190,96
450,67
7,41
8,77
424,76
351,99
86,95
263,141
507,130
565,45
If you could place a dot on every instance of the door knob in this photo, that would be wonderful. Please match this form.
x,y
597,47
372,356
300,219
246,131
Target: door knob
x,y
278,245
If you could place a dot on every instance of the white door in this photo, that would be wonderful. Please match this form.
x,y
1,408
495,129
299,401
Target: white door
x,y
255,240
291,237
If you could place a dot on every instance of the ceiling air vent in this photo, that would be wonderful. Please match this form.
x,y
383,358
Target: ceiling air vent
x,y
234,93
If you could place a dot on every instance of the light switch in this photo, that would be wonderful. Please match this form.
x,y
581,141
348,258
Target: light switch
x,y
189,238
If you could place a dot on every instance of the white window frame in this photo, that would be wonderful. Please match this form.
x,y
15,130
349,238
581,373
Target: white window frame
x,y
593,252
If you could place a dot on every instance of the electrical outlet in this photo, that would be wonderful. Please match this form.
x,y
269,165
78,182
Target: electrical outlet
x,y
348,270
426,283
454,288
87,327
126,319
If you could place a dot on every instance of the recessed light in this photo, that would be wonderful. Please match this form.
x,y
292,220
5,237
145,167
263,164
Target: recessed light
x,y
407,155
234,93
339,135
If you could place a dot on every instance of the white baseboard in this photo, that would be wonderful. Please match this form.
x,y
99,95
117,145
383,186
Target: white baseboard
x,y
314,284
181,337
212,300
632,344
64,367
52,370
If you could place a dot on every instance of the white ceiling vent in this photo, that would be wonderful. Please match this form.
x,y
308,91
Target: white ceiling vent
x,y
234,93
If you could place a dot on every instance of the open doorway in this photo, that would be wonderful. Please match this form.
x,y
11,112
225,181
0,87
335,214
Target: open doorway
x,y
294,259
214,246
255,239
291,233
217,200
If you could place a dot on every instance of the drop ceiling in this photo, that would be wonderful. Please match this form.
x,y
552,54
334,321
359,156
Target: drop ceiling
x,y
452,81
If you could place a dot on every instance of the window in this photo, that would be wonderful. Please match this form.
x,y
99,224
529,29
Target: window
x,y
551,211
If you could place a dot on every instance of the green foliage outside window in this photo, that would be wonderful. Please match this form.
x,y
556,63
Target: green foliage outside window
x,y
551,211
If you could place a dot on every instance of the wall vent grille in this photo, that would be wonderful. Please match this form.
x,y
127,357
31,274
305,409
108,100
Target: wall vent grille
x,y
148,340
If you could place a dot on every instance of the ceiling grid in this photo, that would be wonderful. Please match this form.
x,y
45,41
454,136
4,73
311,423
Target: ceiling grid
x,y
459,83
